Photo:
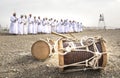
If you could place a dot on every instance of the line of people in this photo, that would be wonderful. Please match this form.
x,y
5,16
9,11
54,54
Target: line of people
x,y
35,25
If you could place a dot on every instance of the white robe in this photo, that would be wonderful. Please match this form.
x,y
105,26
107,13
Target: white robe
x,y
49,26
70,27
59,28
66,27
25,26
81,27
39,26
43,26
30,25
35,25
20,25
75,27
46,26
53,26
13,25
62,27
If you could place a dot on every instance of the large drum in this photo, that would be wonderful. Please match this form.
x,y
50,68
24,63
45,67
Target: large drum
x,y
41,49
77,56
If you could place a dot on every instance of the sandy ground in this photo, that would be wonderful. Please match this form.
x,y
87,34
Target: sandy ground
x,y
16,60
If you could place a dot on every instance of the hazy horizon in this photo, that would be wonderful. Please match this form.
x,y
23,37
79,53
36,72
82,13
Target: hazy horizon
x,y
85,11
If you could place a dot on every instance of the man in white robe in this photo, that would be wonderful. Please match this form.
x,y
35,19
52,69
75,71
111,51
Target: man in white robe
x,y
49,23
14,24
81,27
70,26
53,27
66,26
78,26
20,25
25,26
35,25
56,24
61,26
59,29
75,26
46,23
39,22
43,25
30,24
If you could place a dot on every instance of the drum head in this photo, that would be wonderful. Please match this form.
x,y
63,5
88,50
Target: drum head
x,y
40,50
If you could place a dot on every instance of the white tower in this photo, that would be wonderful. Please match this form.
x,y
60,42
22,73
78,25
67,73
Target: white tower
x,y
101,23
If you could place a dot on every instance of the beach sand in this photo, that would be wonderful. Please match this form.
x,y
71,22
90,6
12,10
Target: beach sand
x,y
16,60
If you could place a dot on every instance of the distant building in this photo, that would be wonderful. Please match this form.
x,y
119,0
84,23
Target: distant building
x,y
101,23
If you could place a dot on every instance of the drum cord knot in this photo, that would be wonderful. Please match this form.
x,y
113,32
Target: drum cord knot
x,y
94,62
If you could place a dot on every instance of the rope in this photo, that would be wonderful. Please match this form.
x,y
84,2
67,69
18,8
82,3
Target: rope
x,y
86,39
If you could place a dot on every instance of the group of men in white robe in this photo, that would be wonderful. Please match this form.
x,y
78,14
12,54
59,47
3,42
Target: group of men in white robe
x,y
18,25
35,25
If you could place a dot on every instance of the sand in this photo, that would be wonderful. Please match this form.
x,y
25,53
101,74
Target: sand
x,y
16,60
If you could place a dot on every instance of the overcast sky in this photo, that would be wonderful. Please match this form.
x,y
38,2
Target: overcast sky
x,y
85,11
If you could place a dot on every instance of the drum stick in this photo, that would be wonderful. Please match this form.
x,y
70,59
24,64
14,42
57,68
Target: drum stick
x,y
71,35
74,39
60,35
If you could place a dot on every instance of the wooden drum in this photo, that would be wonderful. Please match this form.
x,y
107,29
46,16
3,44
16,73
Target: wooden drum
x,y
41,50
82,57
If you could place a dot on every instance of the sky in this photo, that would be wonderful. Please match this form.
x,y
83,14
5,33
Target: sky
x,y
85,11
